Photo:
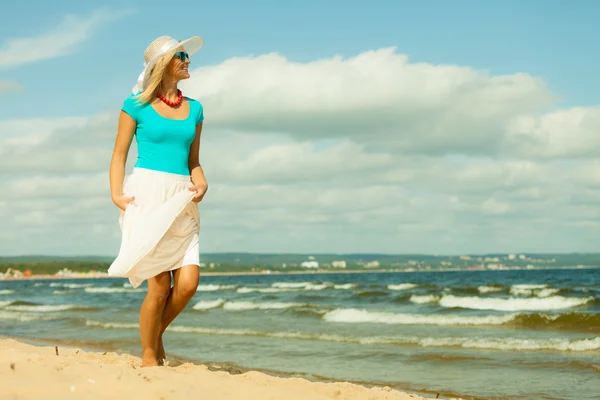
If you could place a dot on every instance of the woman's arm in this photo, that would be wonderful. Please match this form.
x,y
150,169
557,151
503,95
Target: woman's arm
x,y
196,172
125,132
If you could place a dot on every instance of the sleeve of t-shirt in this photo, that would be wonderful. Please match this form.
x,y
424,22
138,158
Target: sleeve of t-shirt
x,y
131,107
200,116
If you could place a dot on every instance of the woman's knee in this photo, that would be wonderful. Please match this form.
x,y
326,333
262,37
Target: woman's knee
x,y
159,287
186,281
187,288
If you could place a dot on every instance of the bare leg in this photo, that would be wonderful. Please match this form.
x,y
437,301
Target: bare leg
x,y
186,283
150,316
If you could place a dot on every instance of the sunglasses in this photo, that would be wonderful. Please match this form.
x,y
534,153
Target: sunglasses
x,y
182,55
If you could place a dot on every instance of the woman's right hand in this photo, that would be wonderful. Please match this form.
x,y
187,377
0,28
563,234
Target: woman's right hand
x,y
123,201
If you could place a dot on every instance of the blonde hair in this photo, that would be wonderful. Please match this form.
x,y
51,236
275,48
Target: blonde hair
x,y
155,79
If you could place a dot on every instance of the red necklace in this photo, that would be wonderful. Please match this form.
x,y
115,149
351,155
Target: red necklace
x,y
169,102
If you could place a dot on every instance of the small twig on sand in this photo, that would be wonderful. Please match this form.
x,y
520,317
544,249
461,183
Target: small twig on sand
x,y
437,396
56,350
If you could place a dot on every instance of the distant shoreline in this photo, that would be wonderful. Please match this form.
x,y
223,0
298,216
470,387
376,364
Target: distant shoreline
x,y
320,272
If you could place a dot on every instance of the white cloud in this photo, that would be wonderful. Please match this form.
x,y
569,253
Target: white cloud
x,y
377,97
370,153
567,133
62,40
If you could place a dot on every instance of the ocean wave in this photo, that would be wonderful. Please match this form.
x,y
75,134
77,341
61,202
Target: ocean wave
x,y
572,321
282,287
477,343
71,285
45,307
541,292
513,304
110,290
372,293
6,291
245,305
290,285
213,287
353,315
112,325
529,286
306,285
345,286
402,286
77,285
6,303
61,292
424,299
208,304
24,317
488,289
265,290
515,343
249,305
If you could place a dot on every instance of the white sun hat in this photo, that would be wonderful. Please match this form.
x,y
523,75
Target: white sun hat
x,y
160,47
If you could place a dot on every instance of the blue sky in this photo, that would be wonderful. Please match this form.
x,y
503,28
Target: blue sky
x,y
554,40
318,137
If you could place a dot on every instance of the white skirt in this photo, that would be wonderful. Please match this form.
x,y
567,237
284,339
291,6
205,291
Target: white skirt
x,y
160,228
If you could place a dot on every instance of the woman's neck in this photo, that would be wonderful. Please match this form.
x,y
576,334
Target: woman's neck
x,y
168,89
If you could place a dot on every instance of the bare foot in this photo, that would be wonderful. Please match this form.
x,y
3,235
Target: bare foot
x,y
160,352
149,362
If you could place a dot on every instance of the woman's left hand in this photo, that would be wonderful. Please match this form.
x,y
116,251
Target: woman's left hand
x,y
200,192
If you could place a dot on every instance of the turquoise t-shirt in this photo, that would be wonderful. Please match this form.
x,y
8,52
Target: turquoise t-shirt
x,y
163,143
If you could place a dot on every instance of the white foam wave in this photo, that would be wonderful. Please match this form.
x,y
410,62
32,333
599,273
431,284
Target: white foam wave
x,y
424,299
488,289
62,291
77,285
5,303
402,286
280,287
244,305
304,285
264,290
6,291
23,317
344,286
319,286
479,343
214,288
249,305
71,285
528,286
352,315
515,343
513,304
112,325
545,292
290,285
40,308
208,304
110,290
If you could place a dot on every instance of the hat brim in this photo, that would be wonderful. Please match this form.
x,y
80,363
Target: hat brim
x,y
190,45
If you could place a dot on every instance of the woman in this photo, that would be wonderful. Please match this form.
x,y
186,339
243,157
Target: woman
x,y
159,213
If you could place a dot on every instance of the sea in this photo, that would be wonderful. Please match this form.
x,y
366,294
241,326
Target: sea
x,y
518,334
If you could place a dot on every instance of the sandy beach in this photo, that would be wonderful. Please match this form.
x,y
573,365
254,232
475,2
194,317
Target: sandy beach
x,y
37,372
